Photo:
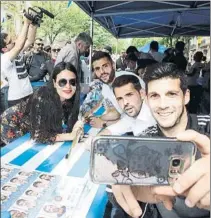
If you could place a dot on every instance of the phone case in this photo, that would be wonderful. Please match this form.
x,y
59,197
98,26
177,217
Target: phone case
x,y
139,161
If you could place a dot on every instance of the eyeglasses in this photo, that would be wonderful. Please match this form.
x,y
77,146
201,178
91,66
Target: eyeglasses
x,y
63,82
56,50
40,44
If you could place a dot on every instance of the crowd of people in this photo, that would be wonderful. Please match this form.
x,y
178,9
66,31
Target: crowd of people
x,y
150,94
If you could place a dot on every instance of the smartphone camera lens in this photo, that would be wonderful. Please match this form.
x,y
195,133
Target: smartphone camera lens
x,y
176,162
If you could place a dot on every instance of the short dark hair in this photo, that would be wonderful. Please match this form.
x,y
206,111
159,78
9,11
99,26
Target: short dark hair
x,y
180,46
143,63
99,55
131,56
85,37
154,45
198,56
165,70
108,48
126,79
131,49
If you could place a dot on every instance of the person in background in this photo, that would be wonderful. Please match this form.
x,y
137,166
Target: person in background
x,y
107,49
179,58
168,55
136,65
72,52
154,47
35,60
139,54
120,62
131,61
142,66
205,99
12,65
47,67
50,114
47,49
195,88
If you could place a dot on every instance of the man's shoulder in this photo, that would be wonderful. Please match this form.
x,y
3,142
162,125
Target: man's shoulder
x,y
199,123
203,123
204,118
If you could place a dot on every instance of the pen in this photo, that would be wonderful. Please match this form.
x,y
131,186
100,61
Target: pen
x,y
75,141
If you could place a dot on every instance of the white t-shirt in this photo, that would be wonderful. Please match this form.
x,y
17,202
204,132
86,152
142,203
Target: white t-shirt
x,y
136,125
18,88
108,93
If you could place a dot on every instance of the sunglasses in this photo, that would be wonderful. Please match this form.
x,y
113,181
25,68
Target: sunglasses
x,y
63,82
40,44
56,50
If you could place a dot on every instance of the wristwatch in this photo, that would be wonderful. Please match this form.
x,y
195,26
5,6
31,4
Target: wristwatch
x,y
105,124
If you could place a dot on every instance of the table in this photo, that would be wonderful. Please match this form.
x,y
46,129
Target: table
x,y
31,156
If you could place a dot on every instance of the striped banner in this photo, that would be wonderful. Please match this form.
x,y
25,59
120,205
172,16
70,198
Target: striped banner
x,y
30,156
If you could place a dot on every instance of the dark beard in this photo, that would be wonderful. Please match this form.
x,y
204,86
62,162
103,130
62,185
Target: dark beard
x,y
111,78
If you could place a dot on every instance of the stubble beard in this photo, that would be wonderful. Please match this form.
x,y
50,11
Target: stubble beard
x,y
176,123
111,78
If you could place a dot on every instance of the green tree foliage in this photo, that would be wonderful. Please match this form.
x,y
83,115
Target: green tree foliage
x,y
139,42
14,13
102,37
67,23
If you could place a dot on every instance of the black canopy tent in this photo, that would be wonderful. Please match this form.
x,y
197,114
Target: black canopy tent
x,y
125,19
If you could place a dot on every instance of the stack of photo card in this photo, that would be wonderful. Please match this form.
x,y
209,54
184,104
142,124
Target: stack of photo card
x,y
41,195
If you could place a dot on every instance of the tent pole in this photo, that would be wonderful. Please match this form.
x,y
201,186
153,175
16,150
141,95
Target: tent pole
x,y
91,34
116,46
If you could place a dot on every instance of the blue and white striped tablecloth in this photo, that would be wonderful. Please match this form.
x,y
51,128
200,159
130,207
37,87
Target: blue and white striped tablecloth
x,y
28,155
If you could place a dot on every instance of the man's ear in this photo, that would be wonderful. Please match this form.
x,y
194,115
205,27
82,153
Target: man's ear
x,y
143,94
187,96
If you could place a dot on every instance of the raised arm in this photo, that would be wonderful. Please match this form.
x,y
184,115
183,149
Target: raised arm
x,y
20,42
30,37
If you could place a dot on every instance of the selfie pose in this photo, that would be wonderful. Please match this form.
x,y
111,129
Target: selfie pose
x,y
50,113
167,97
104,70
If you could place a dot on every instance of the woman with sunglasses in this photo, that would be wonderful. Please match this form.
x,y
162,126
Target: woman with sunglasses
x,y
50,113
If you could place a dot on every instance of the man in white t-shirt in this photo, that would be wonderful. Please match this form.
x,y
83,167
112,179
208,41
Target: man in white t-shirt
x,y
154,47
12,64
104,69
130,97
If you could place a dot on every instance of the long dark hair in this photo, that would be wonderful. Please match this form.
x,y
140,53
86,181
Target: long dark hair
x,y
46,111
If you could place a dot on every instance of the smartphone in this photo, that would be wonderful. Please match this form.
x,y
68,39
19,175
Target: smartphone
x,y
139,160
